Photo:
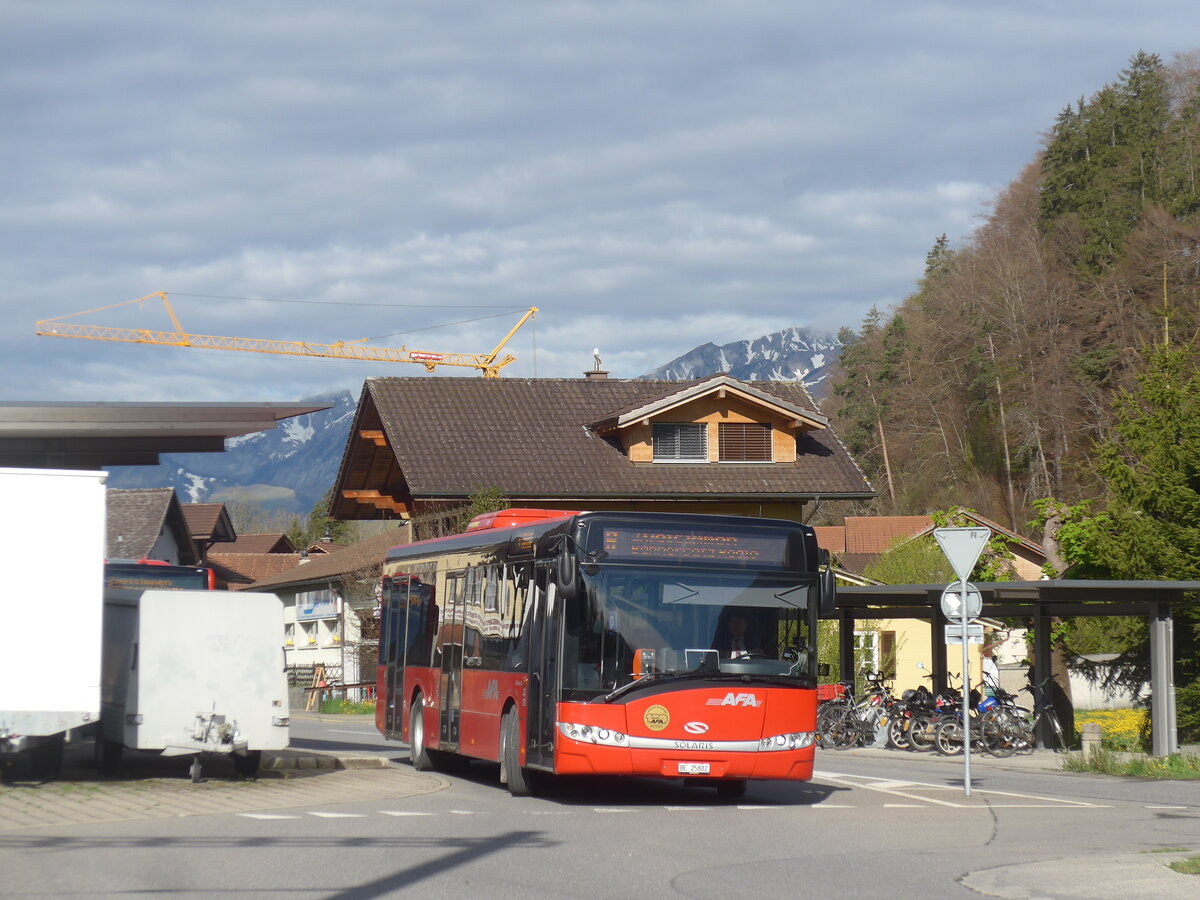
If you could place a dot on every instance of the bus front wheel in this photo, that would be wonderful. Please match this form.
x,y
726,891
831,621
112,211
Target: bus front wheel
x,y
419,756
519,780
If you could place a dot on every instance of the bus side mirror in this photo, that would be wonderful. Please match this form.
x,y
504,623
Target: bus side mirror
x,y
826,586
566,573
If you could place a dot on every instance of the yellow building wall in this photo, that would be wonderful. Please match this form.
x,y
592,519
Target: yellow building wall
x,y
914,655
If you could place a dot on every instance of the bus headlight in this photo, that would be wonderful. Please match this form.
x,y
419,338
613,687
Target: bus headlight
x,y
590,734
796,740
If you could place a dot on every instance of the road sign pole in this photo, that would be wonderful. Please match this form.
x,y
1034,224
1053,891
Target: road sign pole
x,y
966,701
962,547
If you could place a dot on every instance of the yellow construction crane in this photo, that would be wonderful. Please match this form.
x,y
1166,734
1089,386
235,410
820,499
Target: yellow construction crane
x,y
489,364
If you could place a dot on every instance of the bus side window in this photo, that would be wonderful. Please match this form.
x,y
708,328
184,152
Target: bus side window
x,y
495,629
516,622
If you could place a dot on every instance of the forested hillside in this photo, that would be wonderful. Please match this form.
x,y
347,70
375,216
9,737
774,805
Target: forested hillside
x,y
993,384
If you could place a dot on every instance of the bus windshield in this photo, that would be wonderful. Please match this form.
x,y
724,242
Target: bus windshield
x,y
633,621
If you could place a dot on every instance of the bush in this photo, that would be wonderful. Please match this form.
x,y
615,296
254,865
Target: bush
x,y
1123,729
350,707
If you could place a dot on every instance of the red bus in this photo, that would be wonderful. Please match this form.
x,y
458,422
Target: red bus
x,y
641,644
156,575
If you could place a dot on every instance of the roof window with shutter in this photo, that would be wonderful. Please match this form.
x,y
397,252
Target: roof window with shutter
x,y
744,442
680,442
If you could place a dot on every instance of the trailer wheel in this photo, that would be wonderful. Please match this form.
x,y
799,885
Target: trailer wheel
x,y
46,758
247,766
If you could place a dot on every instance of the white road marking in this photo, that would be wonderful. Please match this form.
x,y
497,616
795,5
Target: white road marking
x,y
611,809
396,812
461,812
265,816
337,815
884,787
686,808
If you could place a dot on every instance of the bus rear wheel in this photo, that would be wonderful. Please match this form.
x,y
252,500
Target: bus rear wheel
x,y
520,781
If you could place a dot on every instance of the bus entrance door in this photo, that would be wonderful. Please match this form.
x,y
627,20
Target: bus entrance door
x,y
395,621
543,672
452,634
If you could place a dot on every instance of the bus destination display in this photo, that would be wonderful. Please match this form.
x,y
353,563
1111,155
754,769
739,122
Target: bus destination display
x,y
661,543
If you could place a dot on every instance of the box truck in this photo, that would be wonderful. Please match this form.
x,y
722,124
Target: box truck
x,y
193,672
51,590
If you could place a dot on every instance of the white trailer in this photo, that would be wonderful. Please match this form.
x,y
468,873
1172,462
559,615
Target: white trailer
x,y
51,588
193,672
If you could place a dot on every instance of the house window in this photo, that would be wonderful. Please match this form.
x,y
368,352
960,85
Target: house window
x,y
681,443
744,442
887,653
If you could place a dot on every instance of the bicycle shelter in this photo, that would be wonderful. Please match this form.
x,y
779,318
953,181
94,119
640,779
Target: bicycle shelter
x,y
1038,602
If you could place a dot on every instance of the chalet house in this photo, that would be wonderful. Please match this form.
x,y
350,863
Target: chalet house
x,y
209,524
148,523
322,597
715,445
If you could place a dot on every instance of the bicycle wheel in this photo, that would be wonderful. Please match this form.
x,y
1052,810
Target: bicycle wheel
x,y
920,733
997,733
1060,740
948,738
844,732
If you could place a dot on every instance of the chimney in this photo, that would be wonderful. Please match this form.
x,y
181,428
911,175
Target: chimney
x,y
304,557
596,373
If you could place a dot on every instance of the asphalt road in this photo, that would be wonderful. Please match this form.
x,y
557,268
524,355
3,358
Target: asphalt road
x,y
871,823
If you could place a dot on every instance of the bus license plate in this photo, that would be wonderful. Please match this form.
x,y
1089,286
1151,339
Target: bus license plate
x,y
693,768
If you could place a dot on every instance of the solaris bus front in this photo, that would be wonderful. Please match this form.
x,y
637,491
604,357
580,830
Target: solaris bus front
x,y
632,644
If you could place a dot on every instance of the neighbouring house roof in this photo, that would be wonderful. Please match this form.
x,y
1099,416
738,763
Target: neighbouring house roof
x,y
356,557
273,542
324,547
429,440
241,569
209,522
136,517
862,539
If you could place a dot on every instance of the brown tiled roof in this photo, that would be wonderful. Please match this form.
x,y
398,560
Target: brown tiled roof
x,y
135,519
532,438
208,522
325,547
275,542
241,569
352,558
831,537
875,534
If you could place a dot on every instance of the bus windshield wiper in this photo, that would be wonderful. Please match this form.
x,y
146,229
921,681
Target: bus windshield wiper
x,y
657,676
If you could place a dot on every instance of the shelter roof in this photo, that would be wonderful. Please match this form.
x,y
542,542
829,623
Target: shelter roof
x,y
71,435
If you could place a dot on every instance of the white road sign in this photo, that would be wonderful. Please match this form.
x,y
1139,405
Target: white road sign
x,y
954,634
962,547
952,605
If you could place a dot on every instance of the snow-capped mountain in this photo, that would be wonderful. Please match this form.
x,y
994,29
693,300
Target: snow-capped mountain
x,y
287,469
793,354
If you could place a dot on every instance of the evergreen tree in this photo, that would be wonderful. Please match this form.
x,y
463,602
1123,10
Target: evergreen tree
x,y
1149,525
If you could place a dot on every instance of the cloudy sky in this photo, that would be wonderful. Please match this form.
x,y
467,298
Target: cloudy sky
x,y
651,175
